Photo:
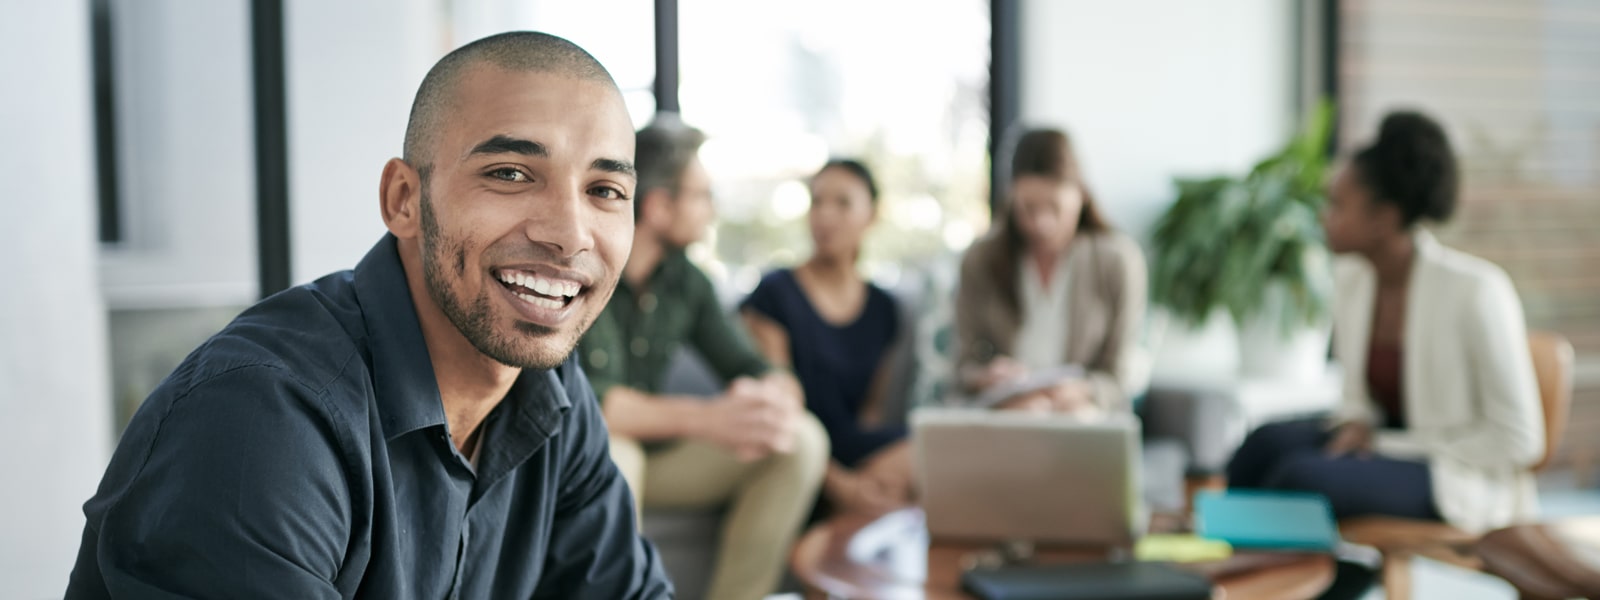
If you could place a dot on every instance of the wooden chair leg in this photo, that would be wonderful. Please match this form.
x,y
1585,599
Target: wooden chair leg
x,y
1397,576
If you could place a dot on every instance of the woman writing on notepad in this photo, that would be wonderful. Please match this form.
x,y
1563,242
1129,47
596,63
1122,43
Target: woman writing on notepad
x,y
1441,416
1051,300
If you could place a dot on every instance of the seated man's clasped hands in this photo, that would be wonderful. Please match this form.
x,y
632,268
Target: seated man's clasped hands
x,y
754,417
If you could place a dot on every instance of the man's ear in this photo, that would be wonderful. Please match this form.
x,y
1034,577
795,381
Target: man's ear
x,y
400,199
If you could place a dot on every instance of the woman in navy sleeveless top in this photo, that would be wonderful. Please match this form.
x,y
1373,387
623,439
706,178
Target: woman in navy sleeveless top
x,y
834,330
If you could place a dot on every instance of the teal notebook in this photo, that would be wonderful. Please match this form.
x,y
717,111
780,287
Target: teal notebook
x,y
1277,520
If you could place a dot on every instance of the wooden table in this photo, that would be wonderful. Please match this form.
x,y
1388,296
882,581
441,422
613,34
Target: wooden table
x,y
823,563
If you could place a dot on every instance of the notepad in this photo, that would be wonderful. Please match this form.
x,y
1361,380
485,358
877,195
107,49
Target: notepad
x,y
1180,548
1279,520
1027,384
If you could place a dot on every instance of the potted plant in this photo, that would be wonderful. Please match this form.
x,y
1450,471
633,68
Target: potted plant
x,y
1252,248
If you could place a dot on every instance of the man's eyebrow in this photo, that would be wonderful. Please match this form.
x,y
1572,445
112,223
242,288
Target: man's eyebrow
x,y
502,144
612,165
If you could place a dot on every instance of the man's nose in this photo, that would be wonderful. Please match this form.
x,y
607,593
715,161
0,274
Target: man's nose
x,y
559,219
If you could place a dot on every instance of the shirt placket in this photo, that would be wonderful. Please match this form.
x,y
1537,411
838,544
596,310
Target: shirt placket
x,y
464,539
461,554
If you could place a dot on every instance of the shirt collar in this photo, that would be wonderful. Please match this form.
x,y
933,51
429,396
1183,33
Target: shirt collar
x,y
1425,243
402,374
533,410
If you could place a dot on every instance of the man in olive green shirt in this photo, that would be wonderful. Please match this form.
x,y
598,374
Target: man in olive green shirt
x,y
754,447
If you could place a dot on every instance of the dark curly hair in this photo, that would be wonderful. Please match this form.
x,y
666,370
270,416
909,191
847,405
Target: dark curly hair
x,y
1412,167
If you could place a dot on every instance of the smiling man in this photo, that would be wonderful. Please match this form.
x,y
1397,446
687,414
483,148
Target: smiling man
x,y
414,428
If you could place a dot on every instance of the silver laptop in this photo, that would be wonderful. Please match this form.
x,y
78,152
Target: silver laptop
x,y
1008,476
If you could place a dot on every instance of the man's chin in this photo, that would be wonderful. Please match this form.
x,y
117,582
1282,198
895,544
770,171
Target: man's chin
x,y
541,360
538,347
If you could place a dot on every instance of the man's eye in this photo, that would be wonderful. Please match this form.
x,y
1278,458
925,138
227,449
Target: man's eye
x,y
509,174
609,193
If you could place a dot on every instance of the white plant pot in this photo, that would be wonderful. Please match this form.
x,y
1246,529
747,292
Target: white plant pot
x,y
1266,352
1206,354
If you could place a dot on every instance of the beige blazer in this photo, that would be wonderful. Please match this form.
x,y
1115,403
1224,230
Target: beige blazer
x,y
1106,306
1471,399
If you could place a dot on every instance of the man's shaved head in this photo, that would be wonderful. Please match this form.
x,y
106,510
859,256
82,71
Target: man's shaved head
x,y
527,51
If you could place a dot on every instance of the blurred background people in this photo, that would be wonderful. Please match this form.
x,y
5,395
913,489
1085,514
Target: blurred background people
x,y
835,330
754,447
1052,285
1440,417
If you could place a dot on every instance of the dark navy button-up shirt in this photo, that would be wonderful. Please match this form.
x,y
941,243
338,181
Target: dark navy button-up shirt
x,y
303,453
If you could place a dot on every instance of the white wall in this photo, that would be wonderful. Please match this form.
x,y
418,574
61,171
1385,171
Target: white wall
x,y
352,69
1150,89
186,150
54,394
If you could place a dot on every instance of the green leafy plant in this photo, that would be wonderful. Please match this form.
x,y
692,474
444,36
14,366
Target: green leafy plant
x,y
1226,241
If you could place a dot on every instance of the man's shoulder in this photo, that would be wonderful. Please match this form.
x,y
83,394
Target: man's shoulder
x,y
307,335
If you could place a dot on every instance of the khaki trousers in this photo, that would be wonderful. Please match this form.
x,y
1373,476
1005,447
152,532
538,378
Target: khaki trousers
x,y
768,500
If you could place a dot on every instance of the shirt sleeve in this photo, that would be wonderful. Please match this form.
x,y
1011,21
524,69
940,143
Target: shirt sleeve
x,y
766,300
595,548
237,491
975,296
1121,369
600,353
1509,433
724,346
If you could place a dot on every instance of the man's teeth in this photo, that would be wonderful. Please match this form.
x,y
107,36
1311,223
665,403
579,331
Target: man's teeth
x,y
542,285
541,301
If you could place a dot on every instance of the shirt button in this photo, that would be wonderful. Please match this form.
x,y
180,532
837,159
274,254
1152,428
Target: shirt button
x,y
640,347
647,302
599,359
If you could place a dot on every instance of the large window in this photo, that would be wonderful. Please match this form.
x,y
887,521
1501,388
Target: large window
x,y
781,87
1517,84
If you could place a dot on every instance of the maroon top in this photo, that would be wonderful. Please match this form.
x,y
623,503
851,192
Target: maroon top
x,y
1385,383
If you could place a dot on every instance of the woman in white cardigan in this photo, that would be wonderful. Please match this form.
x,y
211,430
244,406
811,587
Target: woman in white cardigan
x,y
1440,416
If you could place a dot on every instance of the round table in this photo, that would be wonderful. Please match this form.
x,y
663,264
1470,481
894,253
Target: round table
x,y
905,566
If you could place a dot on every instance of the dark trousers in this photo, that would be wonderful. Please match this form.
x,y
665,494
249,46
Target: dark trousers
x,y
1290,456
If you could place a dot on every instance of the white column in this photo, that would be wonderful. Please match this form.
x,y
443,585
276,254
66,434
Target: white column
x,y
54,390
